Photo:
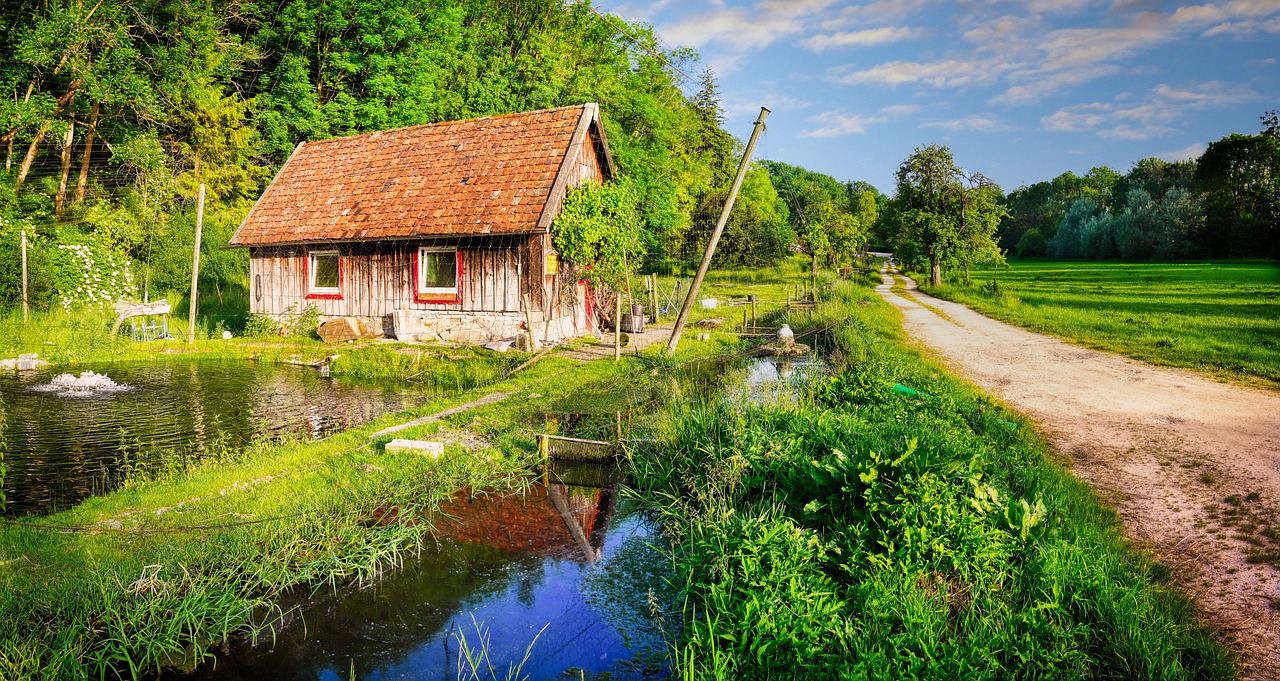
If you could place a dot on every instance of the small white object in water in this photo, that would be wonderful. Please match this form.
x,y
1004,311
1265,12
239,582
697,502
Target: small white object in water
x,y
786,336
226,335
87,384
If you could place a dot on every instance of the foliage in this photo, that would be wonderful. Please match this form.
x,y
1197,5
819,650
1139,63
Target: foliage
x,y
1224,204
598,232
945,213
832,221
758,232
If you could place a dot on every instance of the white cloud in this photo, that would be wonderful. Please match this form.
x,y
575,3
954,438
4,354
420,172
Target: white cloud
x,y
1186,153
900,109
774,102
1141,118
971,123
835,124
1035,59
743,28
946,73
864,38
1141,132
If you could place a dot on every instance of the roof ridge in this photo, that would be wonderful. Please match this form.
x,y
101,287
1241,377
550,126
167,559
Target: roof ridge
x,y
513,114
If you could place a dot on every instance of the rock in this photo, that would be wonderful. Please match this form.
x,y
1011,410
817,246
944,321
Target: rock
x,y
339,330
709,323
500,345
423,447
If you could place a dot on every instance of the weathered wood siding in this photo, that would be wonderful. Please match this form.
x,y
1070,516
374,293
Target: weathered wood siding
x,y
377,278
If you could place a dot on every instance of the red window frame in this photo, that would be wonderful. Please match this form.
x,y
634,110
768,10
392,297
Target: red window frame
x,y
306,275
437,298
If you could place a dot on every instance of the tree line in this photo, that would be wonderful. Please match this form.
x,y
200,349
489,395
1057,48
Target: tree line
x,y
1223,204
114,112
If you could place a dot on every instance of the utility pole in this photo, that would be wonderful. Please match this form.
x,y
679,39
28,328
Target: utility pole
x,y
195,267
715,236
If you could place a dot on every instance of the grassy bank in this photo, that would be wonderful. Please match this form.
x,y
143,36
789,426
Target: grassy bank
x,y
868,534
162,569
159,571
1215,317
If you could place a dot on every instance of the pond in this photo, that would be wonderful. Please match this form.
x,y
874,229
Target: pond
x,y
65,439
564,573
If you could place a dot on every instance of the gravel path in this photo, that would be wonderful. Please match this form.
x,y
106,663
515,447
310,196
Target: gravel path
x,y
1192,465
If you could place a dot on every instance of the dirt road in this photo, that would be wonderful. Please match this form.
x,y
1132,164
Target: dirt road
x,y
1191,464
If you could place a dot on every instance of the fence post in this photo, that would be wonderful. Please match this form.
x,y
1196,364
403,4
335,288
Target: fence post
x,y
195,267
26,300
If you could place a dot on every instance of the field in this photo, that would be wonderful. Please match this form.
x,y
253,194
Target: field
x,y
1222,318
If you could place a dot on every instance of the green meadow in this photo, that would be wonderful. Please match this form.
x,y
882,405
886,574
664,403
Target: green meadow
x,y
1219,317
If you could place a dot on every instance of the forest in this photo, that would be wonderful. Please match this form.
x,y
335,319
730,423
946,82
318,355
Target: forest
x,y
1224,204
115,112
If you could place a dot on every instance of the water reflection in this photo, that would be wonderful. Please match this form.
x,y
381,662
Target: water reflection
x,y
578,561
773,379
60,449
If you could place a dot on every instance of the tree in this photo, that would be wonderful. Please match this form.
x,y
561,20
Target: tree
x,y
1240,178
949,213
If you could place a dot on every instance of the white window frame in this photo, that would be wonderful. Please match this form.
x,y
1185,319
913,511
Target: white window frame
x,y
311,273
425,290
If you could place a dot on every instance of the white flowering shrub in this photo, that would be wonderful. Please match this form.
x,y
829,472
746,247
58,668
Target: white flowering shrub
x,y
91,274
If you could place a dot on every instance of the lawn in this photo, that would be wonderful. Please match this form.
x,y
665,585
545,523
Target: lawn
x,y
1222,318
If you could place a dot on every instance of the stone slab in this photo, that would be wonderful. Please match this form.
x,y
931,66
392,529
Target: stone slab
x,y
423,447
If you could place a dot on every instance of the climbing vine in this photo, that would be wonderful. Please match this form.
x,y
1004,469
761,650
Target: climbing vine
x,y
598,232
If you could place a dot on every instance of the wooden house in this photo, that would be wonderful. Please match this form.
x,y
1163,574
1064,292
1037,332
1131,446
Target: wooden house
x,y
431,232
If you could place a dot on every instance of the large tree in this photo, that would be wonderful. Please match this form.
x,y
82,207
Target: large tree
x,y
948,213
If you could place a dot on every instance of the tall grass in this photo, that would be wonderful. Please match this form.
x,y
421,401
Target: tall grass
x,y
866,534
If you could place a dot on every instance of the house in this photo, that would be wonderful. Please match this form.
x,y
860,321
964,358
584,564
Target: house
x,y
431,232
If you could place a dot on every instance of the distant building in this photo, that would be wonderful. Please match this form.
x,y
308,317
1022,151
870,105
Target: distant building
x,y
433,232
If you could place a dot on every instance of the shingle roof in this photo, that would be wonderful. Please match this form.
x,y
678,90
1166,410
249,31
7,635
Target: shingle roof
x,y
489,175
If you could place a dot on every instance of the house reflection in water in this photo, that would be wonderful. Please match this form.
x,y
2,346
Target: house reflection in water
x,y
553,520
568,558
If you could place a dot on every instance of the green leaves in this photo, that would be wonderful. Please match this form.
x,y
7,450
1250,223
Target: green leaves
x,y
598,232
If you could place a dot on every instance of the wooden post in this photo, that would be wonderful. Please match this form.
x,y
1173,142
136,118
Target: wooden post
x,y
715,235
26,300
617,328
528,322
195,267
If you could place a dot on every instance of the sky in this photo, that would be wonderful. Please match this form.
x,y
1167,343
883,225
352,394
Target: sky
x,y
1020,91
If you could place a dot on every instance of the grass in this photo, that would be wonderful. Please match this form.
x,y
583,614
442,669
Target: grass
x,y
137,592
1220,318
188,555
861,533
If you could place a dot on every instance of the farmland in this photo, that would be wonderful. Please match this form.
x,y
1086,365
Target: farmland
x,y
1220,318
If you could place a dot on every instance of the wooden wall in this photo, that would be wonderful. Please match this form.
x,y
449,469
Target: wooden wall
x,y
377,278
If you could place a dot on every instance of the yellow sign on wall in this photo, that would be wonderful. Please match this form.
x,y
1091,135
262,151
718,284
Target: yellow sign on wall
x,y
553,264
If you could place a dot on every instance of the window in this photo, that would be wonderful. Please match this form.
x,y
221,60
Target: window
x,y
437,272
324,272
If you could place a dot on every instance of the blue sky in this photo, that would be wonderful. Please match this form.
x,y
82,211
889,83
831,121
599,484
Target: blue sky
x,y
1021,91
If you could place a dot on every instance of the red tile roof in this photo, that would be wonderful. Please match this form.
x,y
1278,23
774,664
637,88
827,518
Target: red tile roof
x,y
489,175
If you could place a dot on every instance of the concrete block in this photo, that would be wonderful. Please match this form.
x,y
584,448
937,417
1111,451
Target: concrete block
x,y
423,447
